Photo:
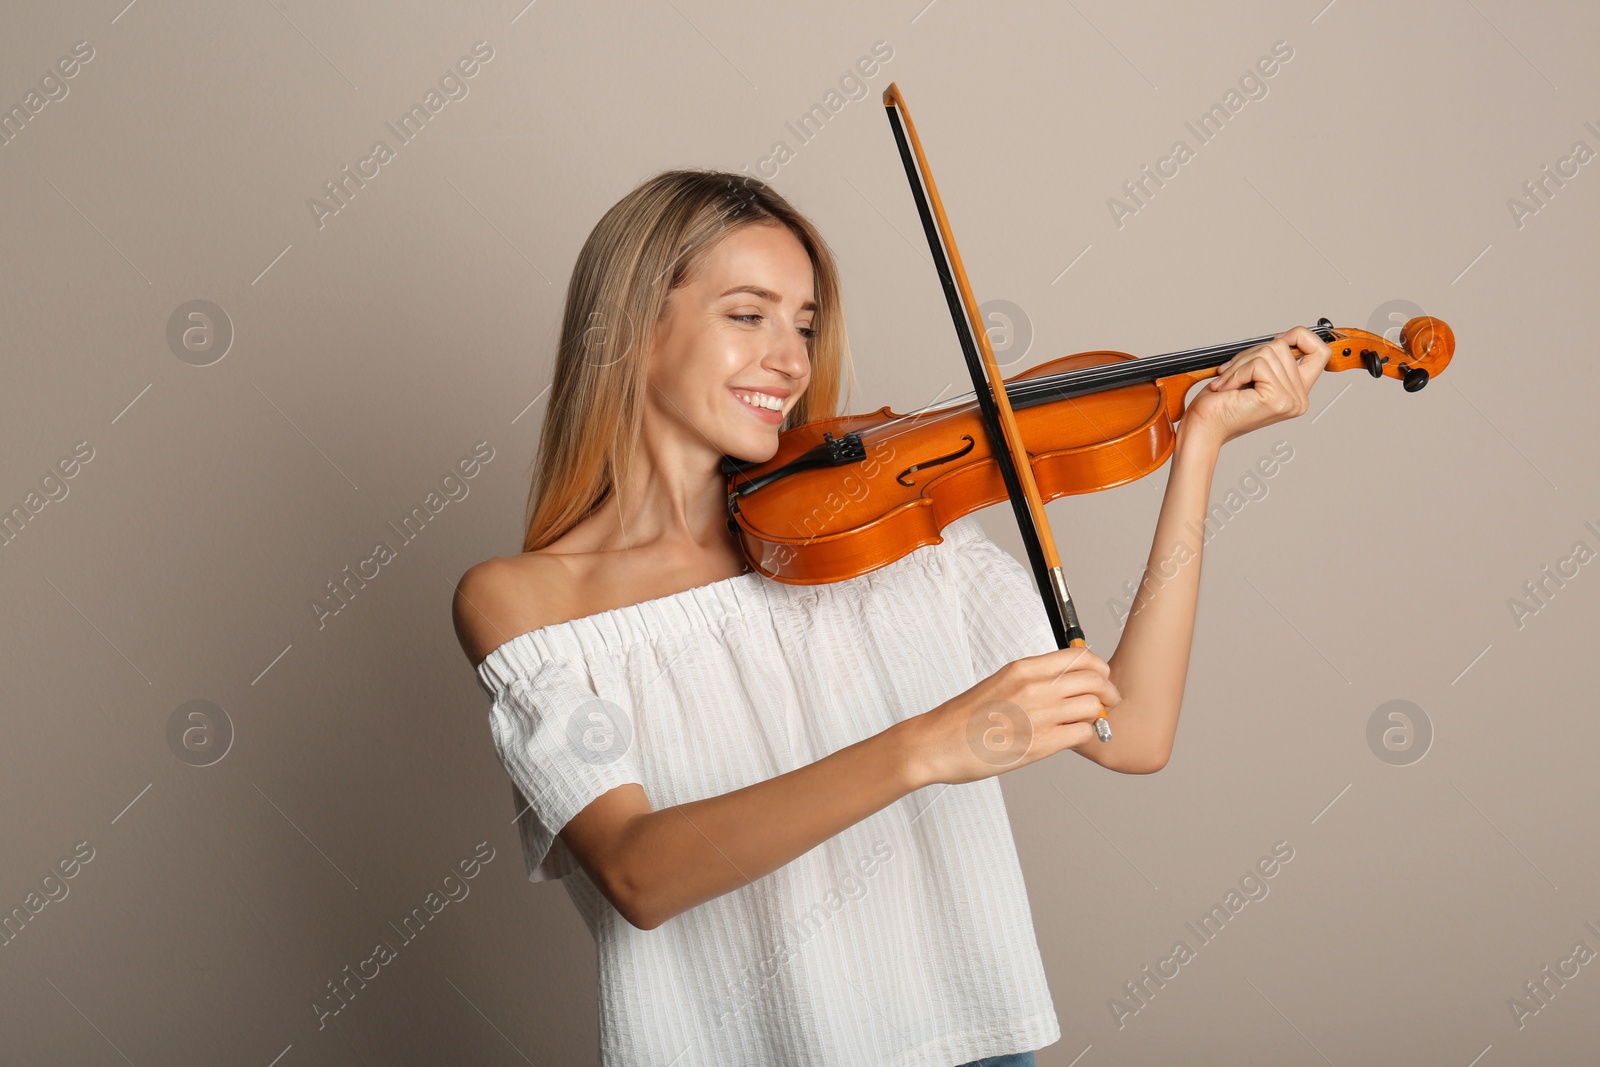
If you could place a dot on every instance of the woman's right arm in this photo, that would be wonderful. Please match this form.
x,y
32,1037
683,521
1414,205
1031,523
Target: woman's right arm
x,y
653,865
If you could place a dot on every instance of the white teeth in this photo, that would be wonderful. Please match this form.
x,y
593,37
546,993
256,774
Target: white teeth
x,y
761,400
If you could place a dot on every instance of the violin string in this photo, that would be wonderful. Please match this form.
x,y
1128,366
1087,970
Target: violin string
x,y
1126,368
1132,371
1048,384
876,432
1023,390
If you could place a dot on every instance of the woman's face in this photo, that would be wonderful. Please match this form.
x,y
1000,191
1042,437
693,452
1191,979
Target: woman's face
x,y
732,352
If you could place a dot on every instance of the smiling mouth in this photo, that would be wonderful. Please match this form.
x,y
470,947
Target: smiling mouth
x,y
760,401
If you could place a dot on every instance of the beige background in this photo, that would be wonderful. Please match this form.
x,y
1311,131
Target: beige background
x,y
372,353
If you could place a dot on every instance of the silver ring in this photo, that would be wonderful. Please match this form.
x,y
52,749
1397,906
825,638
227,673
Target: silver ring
x,y
1102,729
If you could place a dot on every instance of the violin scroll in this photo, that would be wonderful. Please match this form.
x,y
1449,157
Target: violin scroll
x,y
1426,345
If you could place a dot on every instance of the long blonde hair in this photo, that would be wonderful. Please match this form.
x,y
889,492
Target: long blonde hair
x,y
647,244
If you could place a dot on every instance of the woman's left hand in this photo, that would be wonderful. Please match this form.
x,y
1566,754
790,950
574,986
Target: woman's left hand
x,y
1258,387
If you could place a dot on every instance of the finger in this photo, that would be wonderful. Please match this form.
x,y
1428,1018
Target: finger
x,y
1085,678
1110,695
1314,350
1297,378
1298,373
1084,708
1288,373
1236,371
1280,369
1228,373
1074,735
1280,388
1304,339
1288,392
1263,366
1102,693
1097,673
1089,685
1059,662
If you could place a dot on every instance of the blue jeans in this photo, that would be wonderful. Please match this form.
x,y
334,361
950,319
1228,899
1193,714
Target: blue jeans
x,y
1016,1059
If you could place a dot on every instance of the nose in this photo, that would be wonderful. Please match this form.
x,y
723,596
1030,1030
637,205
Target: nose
x,y
790,355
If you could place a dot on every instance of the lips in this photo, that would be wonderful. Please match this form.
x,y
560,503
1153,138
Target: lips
x,y
756,402
760,399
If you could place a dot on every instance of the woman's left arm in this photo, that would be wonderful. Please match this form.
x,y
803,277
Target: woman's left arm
x,y
1256,388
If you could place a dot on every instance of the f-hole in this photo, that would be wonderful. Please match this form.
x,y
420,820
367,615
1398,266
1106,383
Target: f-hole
x,y
957,454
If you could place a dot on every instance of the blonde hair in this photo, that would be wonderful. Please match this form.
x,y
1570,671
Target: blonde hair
x,y
647,244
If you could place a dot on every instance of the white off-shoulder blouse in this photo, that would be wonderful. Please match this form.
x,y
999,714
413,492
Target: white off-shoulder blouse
x,y
904,941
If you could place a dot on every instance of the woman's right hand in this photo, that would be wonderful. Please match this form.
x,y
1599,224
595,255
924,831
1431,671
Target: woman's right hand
x,y
1027,710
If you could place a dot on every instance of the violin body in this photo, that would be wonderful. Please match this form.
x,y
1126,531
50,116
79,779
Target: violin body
x,y
922,473
912,475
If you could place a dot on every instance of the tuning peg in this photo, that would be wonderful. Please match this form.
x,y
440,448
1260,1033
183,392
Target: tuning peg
x,y
1415,378
1370,360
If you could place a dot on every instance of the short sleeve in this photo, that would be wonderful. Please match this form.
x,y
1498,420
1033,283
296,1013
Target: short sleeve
x,y
563,746
1003,615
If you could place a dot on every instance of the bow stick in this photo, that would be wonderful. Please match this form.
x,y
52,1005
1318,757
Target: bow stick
x,y
1010,453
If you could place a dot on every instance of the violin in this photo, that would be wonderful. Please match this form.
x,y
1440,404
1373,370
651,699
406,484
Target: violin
x,y
845,496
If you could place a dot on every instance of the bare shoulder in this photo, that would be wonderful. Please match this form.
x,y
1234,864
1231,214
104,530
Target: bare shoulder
x,y
506,596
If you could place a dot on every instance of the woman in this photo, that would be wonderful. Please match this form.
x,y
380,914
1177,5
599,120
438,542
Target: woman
x,y
777,807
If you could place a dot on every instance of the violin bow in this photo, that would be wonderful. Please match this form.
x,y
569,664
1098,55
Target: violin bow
x,y
1010,453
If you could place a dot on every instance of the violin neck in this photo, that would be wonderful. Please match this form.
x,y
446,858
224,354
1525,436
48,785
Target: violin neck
x,y
1050,387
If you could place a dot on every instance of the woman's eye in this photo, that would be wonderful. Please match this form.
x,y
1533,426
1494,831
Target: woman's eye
x,y
805,331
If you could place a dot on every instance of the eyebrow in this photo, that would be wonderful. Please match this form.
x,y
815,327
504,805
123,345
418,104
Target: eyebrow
x,y
767,294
